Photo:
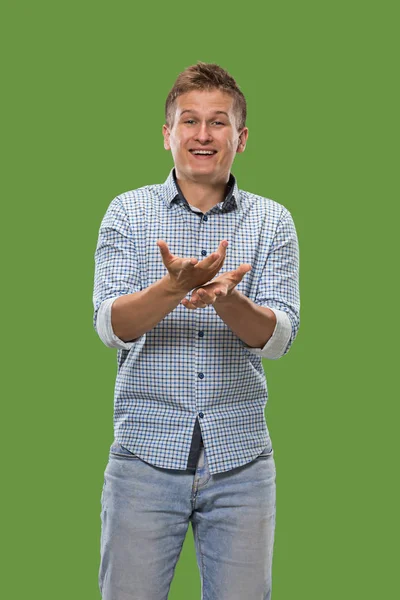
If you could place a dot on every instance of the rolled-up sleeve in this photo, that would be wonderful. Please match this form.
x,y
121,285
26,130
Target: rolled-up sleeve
x,y
116,271
278,289
105,329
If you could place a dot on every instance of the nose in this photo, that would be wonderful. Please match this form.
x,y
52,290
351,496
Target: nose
x,y
203,134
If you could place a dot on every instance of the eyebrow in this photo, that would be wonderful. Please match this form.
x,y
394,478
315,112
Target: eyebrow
x,y
216,112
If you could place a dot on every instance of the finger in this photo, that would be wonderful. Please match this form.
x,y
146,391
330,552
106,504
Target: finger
x,y
242,270
222,247
190,262
220,293
208,297
201,300
210,261
198,303
221,252
187,304
164,250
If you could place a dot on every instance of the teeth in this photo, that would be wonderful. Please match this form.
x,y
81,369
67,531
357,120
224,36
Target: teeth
x,y
202,152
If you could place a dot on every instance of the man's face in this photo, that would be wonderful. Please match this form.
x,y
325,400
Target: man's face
x,y
204,121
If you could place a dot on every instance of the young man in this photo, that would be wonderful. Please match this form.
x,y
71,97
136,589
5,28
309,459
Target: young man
x,y
191,443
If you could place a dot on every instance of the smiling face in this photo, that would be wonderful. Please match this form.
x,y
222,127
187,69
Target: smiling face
x,y
204,138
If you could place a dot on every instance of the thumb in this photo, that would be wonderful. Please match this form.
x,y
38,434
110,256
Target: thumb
x,y
242,270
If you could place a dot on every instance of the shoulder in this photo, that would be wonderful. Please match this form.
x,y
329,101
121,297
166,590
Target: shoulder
x,y
138,200
139,195
262,205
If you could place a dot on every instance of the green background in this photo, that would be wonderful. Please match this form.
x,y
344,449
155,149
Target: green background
x,y
84,85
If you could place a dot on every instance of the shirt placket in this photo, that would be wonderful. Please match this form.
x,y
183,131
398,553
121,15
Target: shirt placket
x,y
202,334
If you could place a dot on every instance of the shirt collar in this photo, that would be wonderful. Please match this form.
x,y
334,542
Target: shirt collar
x,y
172,190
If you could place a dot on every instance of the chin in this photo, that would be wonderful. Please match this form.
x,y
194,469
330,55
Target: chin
x,y
204,172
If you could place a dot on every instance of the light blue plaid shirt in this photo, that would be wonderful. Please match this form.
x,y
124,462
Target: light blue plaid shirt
x,y
191,364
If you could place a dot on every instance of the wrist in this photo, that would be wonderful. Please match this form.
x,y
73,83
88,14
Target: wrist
x,y
172,289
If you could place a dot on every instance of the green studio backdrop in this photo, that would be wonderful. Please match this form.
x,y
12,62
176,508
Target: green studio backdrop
x,y
83,101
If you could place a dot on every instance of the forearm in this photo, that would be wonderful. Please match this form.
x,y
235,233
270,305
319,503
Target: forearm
x,y
253,324
134,314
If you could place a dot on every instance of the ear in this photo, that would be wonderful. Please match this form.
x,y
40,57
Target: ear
x,y
244,134
166,133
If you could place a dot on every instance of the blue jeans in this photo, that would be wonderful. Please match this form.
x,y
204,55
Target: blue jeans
x,y
145,515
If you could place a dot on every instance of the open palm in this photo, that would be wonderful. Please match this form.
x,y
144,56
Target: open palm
x,y
217,289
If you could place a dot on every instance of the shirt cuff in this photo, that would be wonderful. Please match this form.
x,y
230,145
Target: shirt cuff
x,y
277,343
105,330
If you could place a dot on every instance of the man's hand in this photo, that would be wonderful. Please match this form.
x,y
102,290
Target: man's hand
x,y
216,290
185,274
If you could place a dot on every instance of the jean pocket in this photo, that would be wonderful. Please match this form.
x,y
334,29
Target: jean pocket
x,y
266,453
119,451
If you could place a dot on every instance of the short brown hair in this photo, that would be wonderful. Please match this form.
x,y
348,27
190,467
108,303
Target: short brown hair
x,y
206,76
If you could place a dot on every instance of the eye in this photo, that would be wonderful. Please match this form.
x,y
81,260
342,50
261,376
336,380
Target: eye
x,y
190,121
219,123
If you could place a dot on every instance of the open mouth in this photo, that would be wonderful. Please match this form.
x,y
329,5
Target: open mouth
x,y
203,154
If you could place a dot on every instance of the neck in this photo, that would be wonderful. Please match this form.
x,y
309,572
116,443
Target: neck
x,y
202,195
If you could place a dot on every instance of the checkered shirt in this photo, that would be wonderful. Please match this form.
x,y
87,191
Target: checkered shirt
x,y
191,365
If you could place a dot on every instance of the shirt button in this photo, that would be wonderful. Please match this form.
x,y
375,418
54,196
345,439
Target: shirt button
x,y
201,415
203,252
201,375
201,333
205,218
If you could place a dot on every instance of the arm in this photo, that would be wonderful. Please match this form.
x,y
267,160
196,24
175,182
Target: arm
x,y
132,311
134,314
253,324
279,287
116,270
270,324
140,311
